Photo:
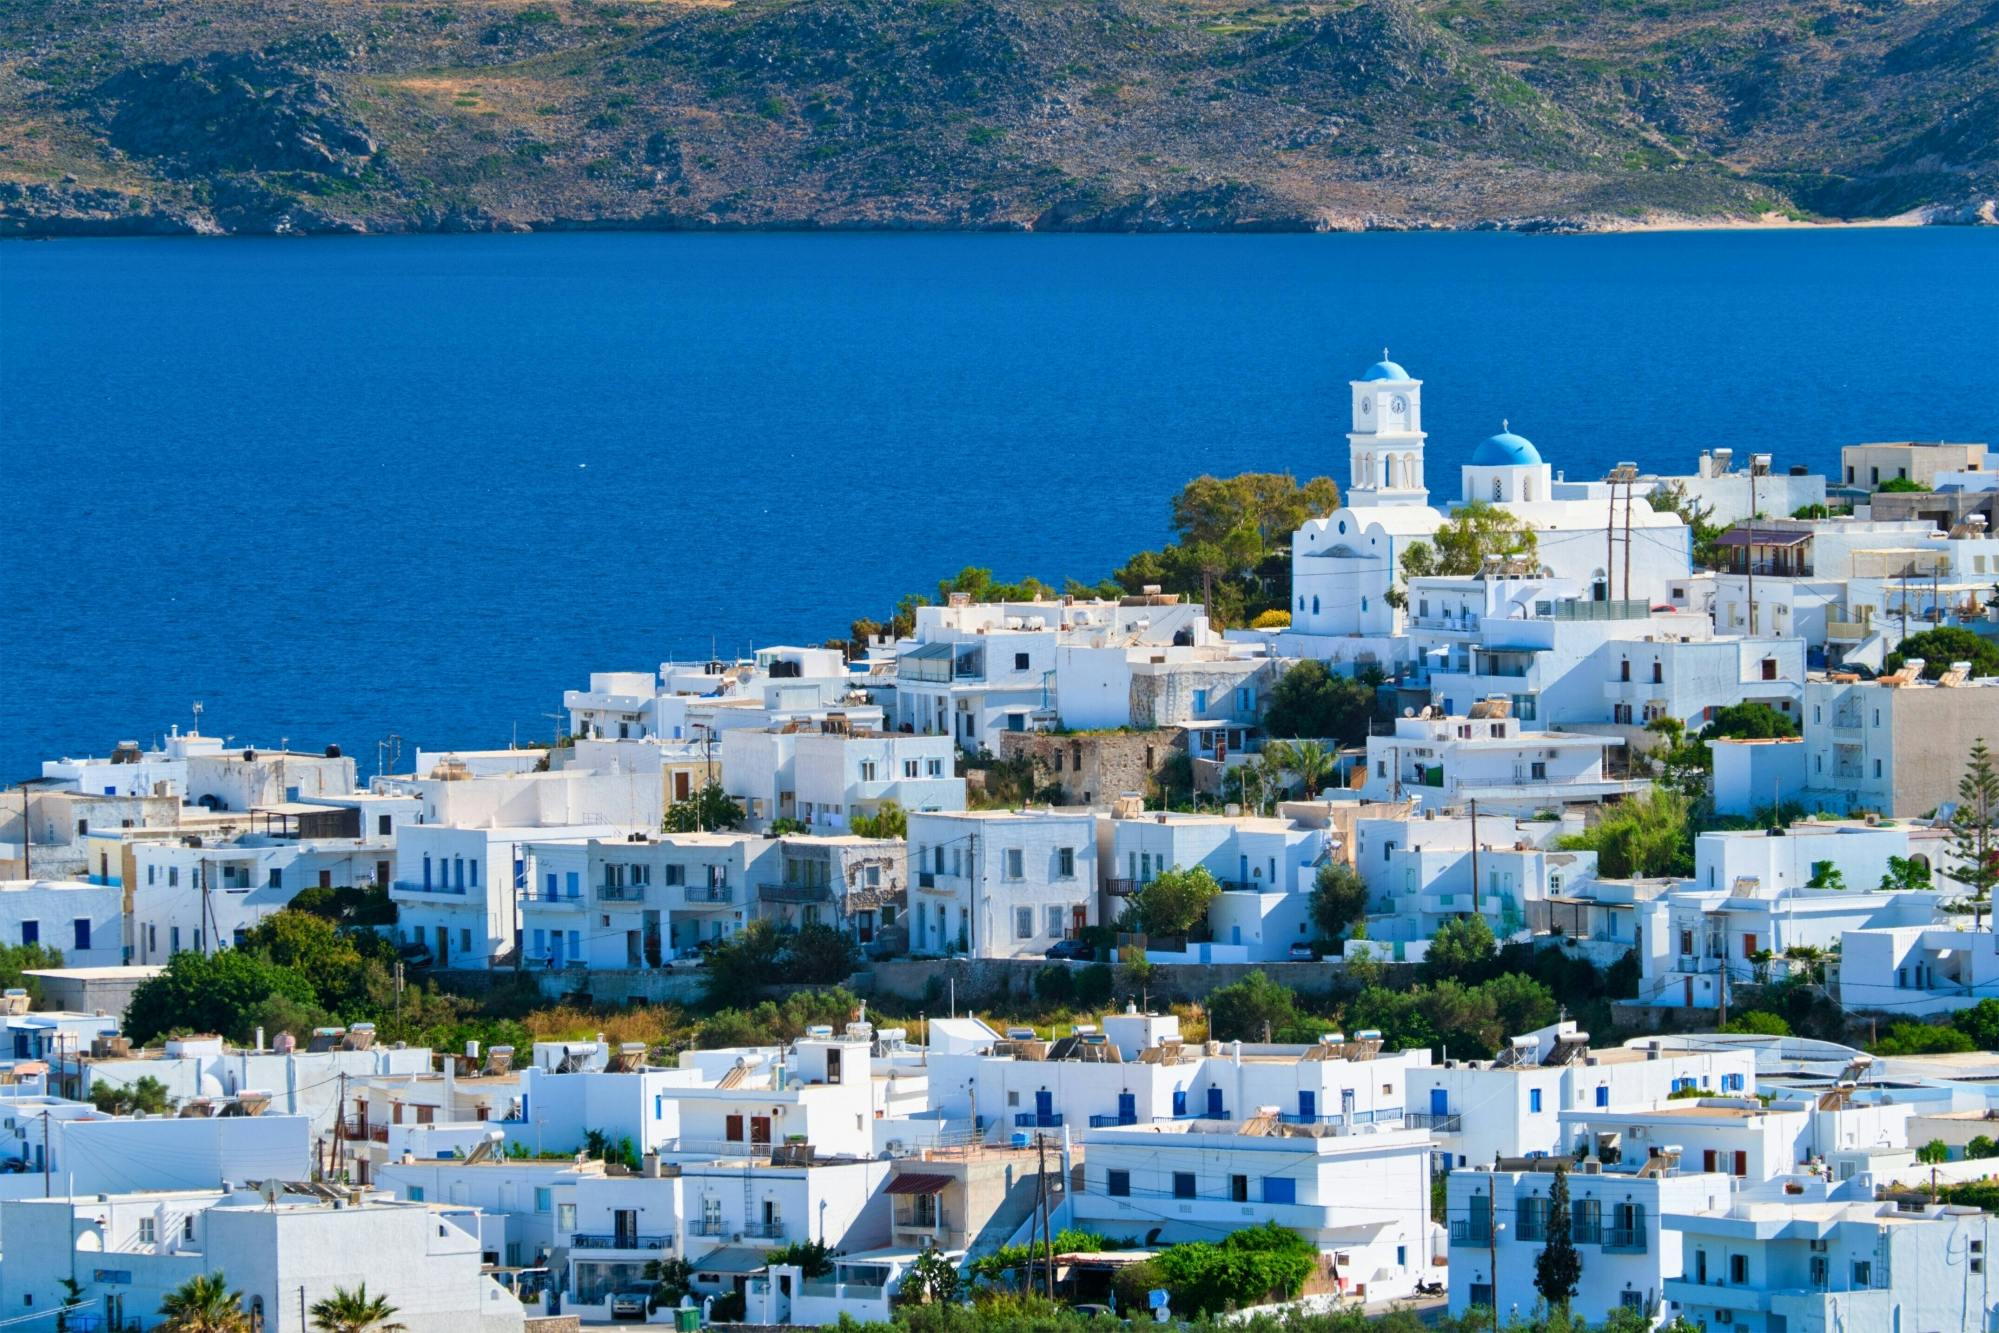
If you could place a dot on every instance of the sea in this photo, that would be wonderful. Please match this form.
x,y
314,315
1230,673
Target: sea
x,y
337,490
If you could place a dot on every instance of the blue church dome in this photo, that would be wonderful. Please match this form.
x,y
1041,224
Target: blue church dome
x,y
1505,450
1385,370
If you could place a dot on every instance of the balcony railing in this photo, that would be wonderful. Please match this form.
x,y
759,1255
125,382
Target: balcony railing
x,y
710,893
1433,1121
763,1231
1624,1240
1036,1120
1123,888
1471,1231
794,893
620,1240
416,886
621,893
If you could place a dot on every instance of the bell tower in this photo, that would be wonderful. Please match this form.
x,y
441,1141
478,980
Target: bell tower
x,y
1385,445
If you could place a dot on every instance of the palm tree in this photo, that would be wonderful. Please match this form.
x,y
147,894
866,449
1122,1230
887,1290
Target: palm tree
x,y
1312,762
354,1312
204,1304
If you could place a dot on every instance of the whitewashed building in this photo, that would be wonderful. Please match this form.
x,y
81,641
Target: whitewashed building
x,y
1000,883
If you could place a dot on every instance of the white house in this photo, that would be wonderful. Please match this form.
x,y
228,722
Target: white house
x,y
826,775
1000,883
83,922
1485,755
1800,1254
1499,1224
458,891
1419,870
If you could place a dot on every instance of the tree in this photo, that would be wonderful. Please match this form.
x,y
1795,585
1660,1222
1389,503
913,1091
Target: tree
x,y
1558,1267
1902,486
210,993
810,1257
819,955
1310,701
1757,1023
1933,1153
1698,517
1980,1148
1174,902
889,820
1252,1266
931,1280
741,966
1248,1009
1922,1039
709,808
354,1312
17,959
1903,872
1749,721
1980,1023
147,1095
1974,846
1827,875
1308,761
1458,946
1339,898
1943,645
1461,545
204,1303
672,1279
1644,836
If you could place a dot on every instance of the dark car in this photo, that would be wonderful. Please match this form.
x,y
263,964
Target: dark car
x,y
1302,953
1071,950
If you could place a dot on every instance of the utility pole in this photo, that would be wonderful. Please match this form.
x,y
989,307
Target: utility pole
x,y
1492,1200
1721,966
1757,464
45,1152
27,838
1627,536
1474,855
1041,1194
340,1127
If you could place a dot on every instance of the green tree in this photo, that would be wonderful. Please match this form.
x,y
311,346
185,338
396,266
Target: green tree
x,y
710,808
1974,846
810,1256
1903,486
1980,1022
17,959
1980,1148
1308,761
1339,899
1933,1153
672,1279
1941,646
210,993
889,820
742,965
1248,1009
818,955
1474,532
931,1280
204,1303
315,949
1175,902
354,1311
1642,836
1698,517
1558,1268
1253,1266
1310,701
147,1095
1826,875
1459,946
1903,872
1748,721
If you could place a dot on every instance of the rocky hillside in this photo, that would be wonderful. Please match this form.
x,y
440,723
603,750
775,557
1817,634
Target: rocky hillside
x,y
362,115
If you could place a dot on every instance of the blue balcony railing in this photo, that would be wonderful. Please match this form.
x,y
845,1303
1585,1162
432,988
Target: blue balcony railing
x,y
1036,1120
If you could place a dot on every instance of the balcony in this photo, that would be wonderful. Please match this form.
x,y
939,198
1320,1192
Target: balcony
x,y
794,893
1100,1121
1471,1231
1123,888
1035,1120
710,893
413,886
621,893
1624,1240
763,1231
620,1240
553,901
1435,1123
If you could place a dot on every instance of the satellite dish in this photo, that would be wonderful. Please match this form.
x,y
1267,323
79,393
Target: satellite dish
x,y
270,1191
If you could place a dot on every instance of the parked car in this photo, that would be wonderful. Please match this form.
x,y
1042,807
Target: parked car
x,y
1302,953
632,1301
415,955
1072,950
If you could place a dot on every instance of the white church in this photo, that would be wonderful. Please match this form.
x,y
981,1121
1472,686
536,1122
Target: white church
x,y
1342,566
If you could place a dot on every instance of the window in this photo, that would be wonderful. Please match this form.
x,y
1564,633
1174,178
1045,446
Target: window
x,y
1020,661
1183,1184
867,770
147,1232
1538,770
676,874
1013,863
1239,1189
542,1197
1863,1275
1201,696
1245,703
1738,1269
935,768
416,1193
911,769
1117,1184
1023,923
1055,923
277,878
1534,1101
1065,863
565,1217
81,929
31,932
1280,1189
382,826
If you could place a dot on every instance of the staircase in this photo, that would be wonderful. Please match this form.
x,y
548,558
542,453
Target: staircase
x,y
1010,1220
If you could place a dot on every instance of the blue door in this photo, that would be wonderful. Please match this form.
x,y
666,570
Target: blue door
x,y
1215,1111
1235,934
1127,1108
1044,1106
1308,1106
1179,1101
1440,1102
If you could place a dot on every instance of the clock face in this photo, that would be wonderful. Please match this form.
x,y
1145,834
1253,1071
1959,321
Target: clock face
x,y
1400,404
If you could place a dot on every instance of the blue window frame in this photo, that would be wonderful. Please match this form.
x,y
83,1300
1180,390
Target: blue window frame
x,y
1280,1189
1534,1100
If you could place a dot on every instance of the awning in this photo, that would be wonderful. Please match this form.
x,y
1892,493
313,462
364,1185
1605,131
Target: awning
x,y
928,652
733,1259
917,1184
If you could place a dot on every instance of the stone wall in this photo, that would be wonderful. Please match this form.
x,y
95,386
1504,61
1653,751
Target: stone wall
x,y
1095,767
988,982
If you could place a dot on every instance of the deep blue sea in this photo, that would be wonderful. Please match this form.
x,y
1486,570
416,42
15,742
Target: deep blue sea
x,y
341,488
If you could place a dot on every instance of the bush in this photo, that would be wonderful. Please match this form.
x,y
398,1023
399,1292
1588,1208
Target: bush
x,y
1458,947
210,993
1756,1022
1980,1023
1310,701
1094,986
1339,898
1055,985
1253,1266
1176,902
1244,1010
1922,1039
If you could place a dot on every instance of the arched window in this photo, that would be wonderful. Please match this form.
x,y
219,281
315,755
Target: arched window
x,y
1498,489
1315,604
1527,488
1301,601
1363,606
